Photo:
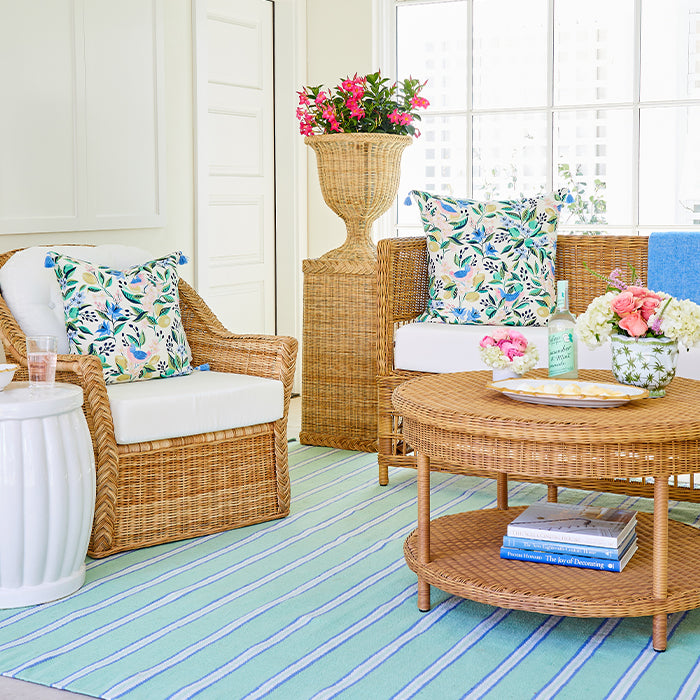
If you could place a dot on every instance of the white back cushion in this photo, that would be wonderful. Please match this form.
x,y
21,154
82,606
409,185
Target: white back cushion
x,y
31,290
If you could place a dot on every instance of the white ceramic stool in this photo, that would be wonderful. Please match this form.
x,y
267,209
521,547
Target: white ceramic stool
x,y
47,493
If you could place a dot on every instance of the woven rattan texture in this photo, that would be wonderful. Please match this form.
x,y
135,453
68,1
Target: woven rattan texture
x,y
359,177
155,492
402,291
339,391
457,418
465,561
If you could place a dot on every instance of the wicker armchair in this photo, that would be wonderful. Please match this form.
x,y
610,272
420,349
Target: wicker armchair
x,y
403,292
165,490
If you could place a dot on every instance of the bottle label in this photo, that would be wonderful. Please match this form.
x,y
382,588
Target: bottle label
x,y
561,353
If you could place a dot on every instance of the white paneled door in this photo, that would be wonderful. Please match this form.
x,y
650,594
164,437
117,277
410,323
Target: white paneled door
x,y
234,150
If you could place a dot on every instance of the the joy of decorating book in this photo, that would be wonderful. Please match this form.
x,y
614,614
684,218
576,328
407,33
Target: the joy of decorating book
x,y
579,550
578,524
568,559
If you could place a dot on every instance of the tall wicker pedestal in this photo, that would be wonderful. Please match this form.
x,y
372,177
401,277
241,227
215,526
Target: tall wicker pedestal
x,y
339,367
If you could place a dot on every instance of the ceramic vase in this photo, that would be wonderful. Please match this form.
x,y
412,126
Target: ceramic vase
x,y
359,178
645,362
505,373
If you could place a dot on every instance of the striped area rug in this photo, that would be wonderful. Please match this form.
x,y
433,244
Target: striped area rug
x,y
321,605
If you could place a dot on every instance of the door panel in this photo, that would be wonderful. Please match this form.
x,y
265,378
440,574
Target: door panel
x,y
235,240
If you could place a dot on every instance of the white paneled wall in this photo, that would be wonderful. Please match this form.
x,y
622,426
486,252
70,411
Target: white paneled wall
x,y
81,127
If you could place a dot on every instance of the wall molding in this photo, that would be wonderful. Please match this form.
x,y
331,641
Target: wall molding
x,y
111,189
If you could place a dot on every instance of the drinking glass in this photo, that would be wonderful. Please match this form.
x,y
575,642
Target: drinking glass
x,y
41,360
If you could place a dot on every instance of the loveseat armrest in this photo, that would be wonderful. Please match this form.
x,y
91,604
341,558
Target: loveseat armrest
x,y
402,291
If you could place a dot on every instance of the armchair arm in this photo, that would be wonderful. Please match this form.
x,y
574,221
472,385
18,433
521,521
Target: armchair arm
x,y
86,372
402,290
270,356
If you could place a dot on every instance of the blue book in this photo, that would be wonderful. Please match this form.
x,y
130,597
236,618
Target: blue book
x,y
580,550
569,559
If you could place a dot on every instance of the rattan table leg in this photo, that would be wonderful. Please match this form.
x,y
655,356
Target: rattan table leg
x,y
552,493
384,450
423,500
502,491
660,559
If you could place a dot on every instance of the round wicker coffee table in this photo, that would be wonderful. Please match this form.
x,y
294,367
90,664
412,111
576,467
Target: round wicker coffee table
x,y
456,418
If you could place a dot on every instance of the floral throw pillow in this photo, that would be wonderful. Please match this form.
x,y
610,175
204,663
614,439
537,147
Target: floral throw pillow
x,y
490,262
129,318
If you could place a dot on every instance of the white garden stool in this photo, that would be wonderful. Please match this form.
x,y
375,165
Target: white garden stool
x,y
47,493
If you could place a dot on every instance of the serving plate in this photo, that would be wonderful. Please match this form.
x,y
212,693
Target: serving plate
x,y
569,392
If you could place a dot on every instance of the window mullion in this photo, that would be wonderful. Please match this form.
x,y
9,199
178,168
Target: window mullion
x,y
469,121
550,96
636,114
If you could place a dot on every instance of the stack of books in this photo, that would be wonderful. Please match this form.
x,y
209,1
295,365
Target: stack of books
x,y
586,537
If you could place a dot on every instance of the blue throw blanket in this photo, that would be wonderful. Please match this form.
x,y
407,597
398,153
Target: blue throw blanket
x,y
674,264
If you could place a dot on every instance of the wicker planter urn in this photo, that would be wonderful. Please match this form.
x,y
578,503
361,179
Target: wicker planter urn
x,y
359,176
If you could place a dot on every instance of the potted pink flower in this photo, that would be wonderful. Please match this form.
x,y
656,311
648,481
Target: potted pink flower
x,y
362,104
358,131
508,353
644,327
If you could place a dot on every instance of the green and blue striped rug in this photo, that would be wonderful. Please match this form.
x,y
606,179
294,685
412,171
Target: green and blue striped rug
x,y
321,605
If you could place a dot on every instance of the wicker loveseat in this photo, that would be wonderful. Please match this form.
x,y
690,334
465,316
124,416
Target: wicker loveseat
x,y
161,490
402,295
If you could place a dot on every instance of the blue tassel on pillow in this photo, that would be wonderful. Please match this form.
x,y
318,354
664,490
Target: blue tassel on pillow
x,y
203,368
49,261
408,201
182,260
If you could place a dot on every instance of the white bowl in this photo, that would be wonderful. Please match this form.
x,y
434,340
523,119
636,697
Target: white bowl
x,y
6,374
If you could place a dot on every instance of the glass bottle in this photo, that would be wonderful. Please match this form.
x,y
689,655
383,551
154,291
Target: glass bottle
x,y
563,362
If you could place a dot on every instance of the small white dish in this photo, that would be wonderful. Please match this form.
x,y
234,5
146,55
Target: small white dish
x,y
7,371
558,392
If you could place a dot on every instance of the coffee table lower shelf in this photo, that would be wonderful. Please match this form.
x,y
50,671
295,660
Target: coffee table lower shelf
x,y
465,561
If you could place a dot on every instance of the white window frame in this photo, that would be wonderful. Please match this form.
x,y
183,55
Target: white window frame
x,y
384,44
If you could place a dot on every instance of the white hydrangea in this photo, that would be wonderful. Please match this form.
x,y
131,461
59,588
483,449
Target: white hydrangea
x,y
595,325
493,357
680,320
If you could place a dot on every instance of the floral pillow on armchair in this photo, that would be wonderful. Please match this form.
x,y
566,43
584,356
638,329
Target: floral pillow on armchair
x,y
490,262
129,318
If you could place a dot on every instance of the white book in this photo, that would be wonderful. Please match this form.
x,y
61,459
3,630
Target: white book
x,y
561,522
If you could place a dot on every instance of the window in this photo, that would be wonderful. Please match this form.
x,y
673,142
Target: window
x,y
600,97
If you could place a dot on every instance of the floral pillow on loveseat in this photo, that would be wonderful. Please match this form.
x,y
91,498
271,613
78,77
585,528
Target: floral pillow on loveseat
x,y
490,262
129,318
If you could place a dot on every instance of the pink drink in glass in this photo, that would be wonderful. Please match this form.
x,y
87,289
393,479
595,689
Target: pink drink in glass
x,y
41,360
42,367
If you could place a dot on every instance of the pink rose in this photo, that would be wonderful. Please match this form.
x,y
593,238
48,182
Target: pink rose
x,y
624,303
487,341
519,340
634,324
510,350
649,306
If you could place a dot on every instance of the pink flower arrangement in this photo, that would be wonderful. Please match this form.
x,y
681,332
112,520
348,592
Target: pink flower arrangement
x,y
508,349
362,104
636,311
635,306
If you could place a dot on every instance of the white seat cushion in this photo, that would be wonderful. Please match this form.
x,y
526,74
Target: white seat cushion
x,y
200,402
446,347
31,290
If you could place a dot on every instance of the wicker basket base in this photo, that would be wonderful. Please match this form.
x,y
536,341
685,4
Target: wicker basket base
x,y
339,368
